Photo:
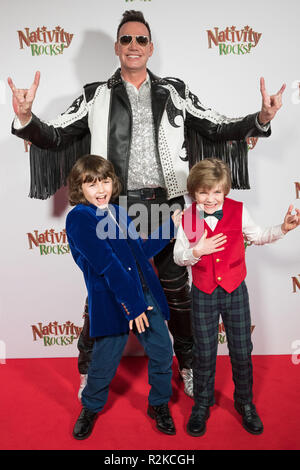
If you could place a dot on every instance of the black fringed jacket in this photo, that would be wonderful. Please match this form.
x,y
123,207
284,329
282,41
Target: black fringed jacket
x,y
99,122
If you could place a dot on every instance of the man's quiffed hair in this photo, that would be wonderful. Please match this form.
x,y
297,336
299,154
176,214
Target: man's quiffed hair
x,y
133,15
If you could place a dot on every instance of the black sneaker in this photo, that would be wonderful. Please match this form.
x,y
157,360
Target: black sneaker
x,y
197,423
163,418
84,424
251,421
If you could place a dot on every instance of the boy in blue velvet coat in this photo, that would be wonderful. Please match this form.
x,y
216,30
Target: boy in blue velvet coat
x,y
123,290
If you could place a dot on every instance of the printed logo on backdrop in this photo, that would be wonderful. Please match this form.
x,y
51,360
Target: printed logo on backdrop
x,y
56,334
232,40
222,338
251,141
296,278
49,242
297,187
296,283
296,94
45,41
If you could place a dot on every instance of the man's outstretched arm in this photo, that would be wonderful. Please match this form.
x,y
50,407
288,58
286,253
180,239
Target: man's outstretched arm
x,y
54,134
23,99
217,127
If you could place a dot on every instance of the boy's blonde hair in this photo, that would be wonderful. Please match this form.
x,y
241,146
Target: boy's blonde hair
x,y
87,169
207,174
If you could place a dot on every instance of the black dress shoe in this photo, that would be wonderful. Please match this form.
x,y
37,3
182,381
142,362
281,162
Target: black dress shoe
x,y
251,421
197,423
84,424
164,421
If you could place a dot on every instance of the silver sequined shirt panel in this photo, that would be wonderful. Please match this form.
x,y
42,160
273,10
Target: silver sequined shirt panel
x,y
145,169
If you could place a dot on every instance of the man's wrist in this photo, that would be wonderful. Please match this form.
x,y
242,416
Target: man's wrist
x,y
25,119
20,124
262,120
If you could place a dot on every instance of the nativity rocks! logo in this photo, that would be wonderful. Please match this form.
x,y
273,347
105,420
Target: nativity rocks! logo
x,y
232,40
222,338
44,41
56,334
49,242
296,283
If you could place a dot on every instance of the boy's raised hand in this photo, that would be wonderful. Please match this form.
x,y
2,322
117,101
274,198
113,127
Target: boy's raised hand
x,y
206,246
176,217
23,98
141,321
291,221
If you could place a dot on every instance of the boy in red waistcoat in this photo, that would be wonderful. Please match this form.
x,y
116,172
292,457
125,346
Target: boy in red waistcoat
x,y
211,241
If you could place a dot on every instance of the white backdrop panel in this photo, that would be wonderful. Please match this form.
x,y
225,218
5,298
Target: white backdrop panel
x,y
42,295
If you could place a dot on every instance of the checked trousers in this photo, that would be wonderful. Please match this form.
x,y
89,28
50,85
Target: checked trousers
x,y
235,312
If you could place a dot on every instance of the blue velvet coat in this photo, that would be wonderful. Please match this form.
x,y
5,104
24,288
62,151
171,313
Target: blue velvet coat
x,y
106,255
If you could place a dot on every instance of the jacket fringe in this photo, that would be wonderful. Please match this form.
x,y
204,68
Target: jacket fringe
x,y
49,169
234,153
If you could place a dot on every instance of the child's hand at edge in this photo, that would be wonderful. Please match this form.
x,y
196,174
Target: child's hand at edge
x,y
176,217
141,322
291,221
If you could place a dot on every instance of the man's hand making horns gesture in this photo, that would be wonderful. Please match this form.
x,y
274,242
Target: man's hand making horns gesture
x,y
23,99
270,104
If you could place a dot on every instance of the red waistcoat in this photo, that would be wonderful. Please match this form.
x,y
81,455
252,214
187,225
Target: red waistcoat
x,y
225,268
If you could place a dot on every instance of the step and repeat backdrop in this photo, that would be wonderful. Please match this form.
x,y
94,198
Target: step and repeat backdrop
x,y
221,49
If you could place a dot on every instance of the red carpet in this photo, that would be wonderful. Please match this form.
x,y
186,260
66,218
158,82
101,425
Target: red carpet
x,y
39,408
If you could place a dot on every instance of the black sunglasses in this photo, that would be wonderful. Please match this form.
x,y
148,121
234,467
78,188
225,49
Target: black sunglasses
x,y
128,38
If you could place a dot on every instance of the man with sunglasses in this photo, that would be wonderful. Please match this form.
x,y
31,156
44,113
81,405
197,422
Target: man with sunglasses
x,y
152,129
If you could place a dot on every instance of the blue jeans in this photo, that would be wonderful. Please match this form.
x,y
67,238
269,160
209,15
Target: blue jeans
x,y
107,353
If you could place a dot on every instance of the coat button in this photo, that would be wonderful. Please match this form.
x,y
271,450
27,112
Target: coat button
x,y
219,278
129,269
217,260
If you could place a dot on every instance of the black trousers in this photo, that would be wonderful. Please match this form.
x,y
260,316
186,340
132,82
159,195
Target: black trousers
x,y
148,213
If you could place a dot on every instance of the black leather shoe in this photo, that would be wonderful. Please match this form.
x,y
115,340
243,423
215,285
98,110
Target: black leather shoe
x,y
197,423
164,421
84,424
251,421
